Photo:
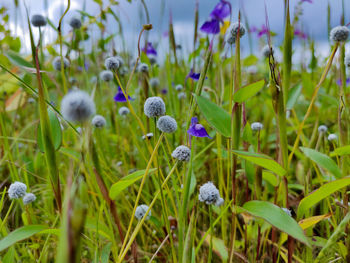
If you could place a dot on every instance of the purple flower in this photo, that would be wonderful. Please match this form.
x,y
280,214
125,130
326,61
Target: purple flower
x,y
263,31
164,91
197,129
339,82
119,97
149,49
300,34
211,27
220,11
308,1
193,75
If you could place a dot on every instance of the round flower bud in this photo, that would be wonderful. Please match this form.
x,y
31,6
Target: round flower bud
x,y
17,190
347,60
332,137
208,193
123,111
182,153
75,22
143,67
112,63
98,121
141,211
77,106
56,63
154,107
256,126
154,82
267,51
167,124
38,20
29,198
178,87
339,34
147,136
106,75
232,32
322,128
181,96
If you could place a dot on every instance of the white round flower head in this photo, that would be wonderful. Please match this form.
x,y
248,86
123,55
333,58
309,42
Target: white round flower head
x,y
112,63
121,60
77,106
347,60
152,59
178,87
31,100
256,126
332,137
182,153
17,190
141,211
181,96
147,136
208,193
167,124
143,67
56,63
123,111
289,212
232,32
220,201
120,163
154,107
154,82
75,22
339,34
38,20
322,128
106,75
266,51
98,121
29,198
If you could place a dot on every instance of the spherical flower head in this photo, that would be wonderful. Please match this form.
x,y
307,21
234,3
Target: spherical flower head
x,y
287,211
120,59
112,63
29,198
75,22
220,201
267,51
167,124
38,20
98,121
148,136
332,137
154,82
143,67
141,211
56,63
17,190
232,32
322,129
77,106
182,153
347,60
123,111
178,87
208,193
106,75
181,96
154,107
339,34
256,126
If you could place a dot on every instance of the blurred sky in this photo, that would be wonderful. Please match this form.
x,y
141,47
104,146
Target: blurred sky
x,y
313,20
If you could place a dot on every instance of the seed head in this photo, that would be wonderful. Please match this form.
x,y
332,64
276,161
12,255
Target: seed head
x,y
29,198
112,63
154,107
232,32
143,67
38,20
75,22
167,124
181,96
332,137
182,153
179,87
17,190
141,211
106,75
267,51
98,121
256,126
209,194
56,63
77,106
154,82
123,111
147,136
322,128
339,34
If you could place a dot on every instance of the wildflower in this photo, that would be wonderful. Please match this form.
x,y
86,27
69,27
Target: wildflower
x,y
98,121
31,100
154,107
120,59
339,34
141,211
197,129
143,67
267,51
182,153
288,211
154,82
149,49
220,202
29,198
193,75
322,129
147,136
178,87
38,20
112,63
209,194
56,63
233,31
181,95
120,97
220,11
256,126
119,163
77,106
332,137
347,82
347,60
167,124
106,75
300,34
164,91
75,22
17,190
123,111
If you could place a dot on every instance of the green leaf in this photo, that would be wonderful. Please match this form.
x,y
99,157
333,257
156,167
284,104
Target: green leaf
x,y
248,91
323,161
345,150
277,218
293,96
56,132
218,247
263,161
16,59
105,252
126,181
321,193
20,234
250,61
216,116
